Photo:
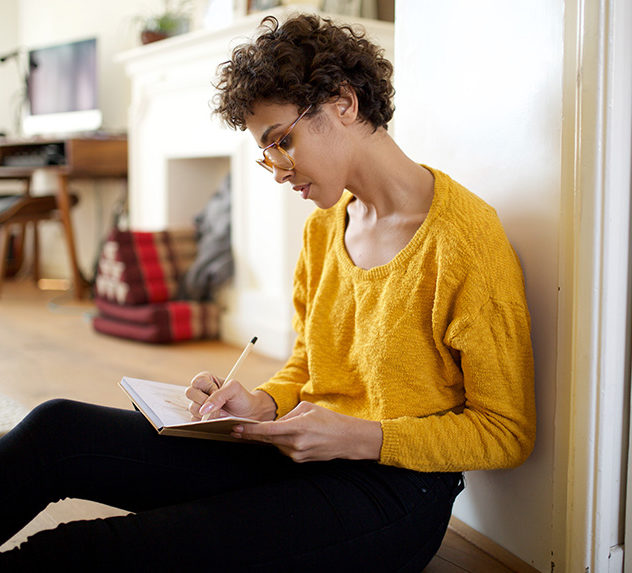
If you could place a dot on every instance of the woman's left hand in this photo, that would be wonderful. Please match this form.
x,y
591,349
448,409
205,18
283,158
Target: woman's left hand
x,y
313,433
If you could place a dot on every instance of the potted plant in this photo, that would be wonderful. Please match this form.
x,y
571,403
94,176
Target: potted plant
x,y
174,19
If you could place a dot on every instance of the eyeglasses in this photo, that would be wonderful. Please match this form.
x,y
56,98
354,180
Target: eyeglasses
x,y
275,156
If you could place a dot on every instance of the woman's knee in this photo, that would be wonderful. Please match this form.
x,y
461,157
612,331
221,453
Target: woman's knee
x,y
56,409
54,418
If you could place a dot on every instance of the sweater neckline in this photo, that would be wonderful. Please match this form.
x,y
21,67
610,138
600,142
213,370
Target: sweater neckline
x,y
403,255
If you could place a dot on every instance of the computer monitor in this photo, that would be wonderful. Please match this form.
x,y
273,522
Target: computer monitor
x,y
62,89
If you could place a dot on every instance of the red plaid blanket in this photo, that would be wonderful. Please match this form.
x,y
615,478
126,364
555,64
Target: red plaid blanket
x,y
138,267
137,279
159,322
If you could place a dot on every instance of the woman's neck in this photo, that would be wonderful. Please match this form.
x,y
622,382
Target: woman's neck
x,y
388,183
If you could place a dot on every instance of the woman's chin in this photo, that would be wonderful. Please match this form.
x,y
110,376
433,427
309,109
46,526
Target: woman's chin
x,y
325,202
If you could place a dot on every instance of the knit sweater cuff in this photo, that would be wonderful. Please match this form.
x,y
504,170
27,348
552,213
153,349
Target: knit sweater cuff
x,y
391,447
284,396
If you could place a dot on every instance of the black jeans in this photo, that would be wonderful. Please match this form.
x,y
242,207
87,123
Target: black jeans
x,y
206,505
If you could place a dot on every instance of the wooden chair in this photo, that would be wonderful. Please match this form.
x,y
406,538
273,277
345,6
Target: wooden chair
x,y
22,210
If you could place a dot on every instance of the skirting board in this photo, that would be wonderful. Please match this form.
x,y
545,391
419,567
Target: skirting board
x,y
490,547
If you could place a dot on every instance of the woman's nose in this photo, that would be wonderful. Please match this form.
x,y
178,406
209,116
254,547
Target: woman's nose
x,y
281,175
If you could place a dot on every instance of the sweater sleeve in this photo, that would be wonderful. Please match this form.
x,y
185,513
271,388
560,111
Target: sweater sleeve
x,y
285,386
496,427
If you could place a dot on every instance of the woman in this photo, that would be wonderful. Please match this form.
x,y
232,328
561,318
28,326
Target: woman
x,y
412,361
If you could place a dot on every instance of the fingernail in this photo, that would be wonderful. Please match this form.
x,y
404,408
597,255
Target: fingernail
x,y
207,408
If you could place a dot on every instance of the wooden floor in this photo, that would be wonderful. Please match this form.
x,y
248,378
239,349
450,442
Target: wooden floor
x,y
48,349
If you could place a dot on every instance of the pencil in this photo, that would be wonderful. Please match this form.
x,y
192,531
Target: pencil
x,y
243,356
236,366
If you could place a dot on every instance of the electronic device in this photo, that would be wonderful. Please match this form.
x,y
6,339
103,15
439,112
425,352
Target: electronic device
x,y
62,89
34,155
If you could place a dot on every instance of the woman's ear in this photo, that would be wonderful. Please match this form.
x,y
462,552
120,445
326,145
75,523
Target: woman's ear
x,y
347,104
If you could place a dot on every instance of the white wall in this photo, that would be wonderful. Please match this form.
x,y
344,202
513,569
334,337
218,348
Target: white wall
x,y
483,102
9,71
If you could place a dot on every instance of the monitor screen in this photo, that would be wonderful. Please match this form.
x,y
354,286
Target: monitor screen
x,y
62,89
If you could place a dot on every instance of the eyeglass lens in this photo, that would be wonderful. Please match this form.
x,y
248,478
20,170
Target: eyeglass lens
x,y
279,158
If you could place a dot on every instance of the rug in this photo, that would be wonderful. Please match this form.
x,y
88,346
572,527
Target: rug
x,y
11,412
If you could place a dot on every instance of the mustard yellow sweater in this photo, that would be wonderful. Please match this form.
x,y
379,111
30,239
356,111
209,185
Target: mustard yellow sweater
x,y
435,344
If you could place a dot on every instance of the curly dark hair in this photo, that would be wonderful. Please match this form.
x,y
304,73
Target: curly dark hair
x,y
305,61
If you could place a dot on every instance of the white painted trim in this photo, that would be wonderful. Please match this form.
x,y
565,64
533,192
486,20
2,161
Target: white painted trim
x,y
594,297
615,559
626,51
560,546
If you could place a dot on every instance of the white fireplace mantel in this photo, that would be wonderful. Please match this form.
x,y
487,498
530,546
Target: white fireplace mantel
x,y
178,154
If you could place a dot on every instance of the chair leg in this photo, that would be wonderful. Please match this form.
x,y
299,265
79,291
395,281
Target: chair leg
x,y
36,261
16,246
4,247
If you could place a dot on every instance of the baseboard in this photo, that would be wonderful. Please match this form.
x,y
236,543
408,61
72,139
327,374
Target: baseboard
x,y
490,547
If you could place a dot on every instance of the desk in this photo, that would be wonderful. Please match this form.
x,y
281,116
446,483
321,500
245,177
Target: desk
x,y
72,158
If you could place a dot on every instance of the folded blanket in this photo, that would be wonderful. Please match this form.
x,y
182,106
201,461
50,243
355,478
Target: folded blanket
x,y
141,292
163,251
179,236
137,267
133,274
162,322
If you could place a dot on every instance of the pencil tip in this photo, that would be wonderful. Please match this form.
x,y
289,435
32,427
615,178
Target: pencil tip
x,y
253,340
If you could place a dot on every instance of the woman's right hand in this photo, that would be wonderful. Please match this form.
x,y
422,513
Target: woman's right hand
x,y
201,387
210,395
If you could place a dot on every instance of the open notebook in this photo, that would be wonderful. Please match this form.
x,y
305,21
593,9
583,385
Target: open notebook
x,y
166,408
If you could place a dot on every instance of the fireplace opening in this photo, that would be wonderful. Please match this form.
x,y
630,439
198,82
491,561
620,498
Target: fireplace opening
x,y
198,196
191,182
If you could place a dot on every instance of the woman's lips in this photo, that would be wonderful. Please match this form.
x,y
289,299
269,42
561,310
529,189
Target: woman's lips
x,y
303,190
